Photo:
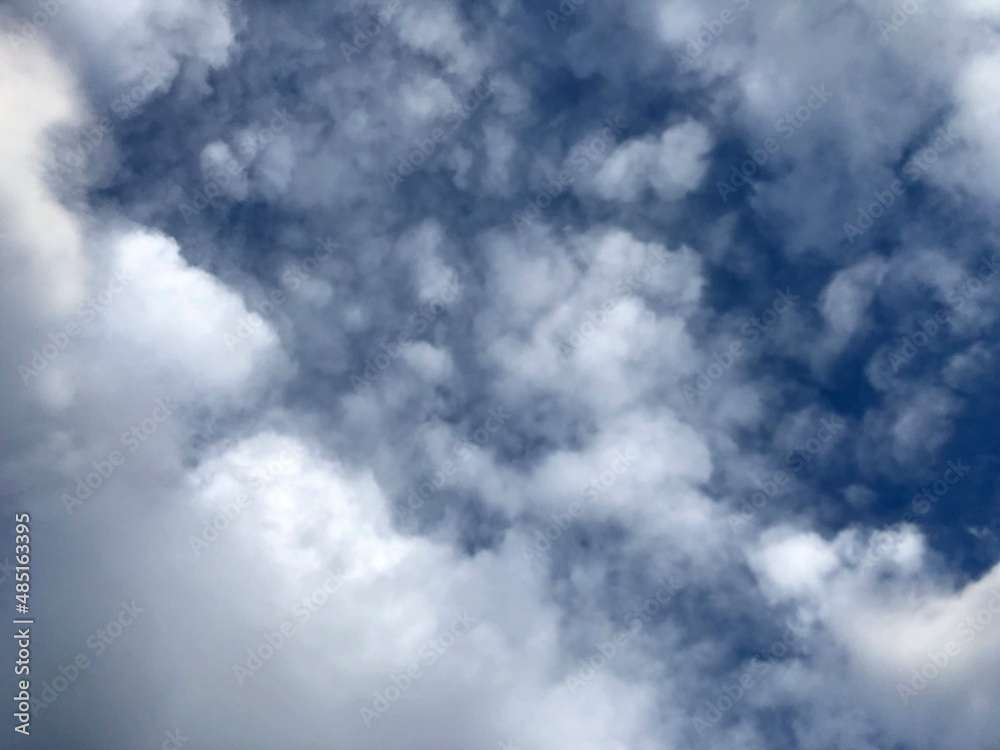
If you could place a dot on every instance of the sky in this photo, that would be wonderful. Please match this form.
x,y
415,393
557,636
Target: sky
x,y
501,375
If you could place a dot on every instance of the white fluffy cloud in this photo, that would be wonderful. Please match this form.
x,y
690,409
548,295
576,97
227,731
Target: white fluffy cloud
x,y
671,164
918,648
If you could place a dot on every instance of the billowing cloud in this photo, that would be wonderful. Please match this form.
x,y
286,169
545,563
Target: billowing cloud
x,y
509,377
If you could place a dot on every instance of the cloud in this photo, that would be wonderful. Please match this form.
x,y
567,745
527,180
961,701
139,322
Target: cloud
x,y
671,165
396,384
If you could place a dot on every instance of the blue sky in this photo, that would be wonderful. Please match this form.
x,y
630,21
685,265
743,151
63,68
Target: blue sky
x,y
607,375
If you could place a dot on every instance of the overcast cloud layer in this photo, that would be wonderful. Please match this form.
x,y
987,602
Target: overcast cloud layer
x,y
609,375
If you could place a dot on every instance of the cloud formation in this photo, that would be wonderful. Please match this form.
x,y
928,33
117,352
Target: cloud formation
x,y
519,375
